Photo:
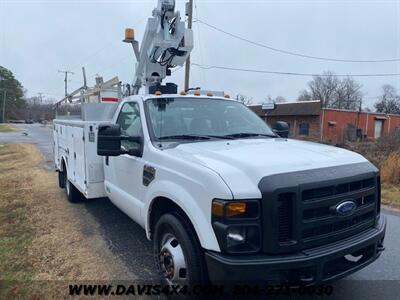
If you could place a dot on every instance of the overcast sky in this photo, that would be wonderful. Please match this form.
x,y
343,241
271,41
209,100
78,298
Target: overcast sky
x,y
38,38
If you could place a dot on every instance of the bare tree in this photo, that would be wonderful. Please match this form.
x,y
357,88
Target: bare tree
x,y
333,92
323,88
37,110
347,95
277,99
305,96
244,99
389,101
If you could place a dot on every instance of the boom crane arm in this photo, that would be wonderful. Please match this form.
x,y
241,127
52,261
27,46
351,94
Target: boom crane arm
x,y
166,44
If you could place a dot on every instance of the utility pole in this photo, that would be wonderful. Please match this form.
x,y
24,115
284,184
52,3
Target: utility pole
x,y
66,80
4,106
4,102
189,14
84,77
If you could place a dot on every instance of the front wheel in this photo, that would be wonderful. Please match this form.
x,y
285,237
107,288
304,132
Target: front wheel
x,y
177,251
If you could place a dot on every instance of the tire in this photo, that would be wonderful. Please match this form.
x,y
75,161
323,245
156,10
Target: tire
x,y
177,251
61,179
72,193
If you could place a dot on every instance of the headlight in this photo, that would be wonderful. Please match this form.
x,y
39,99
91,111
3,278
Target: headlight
x,y
237,225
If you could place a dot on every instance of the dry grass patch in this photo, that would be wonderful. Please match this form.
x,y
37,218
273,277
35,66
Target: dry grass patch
x,y
391,195
390,170
6,128
39,238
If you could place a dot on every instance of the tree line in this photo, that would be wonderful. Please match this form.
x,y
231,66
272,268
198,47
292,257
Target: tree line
x,y
331,90
17,106
346,93
340,93
11,96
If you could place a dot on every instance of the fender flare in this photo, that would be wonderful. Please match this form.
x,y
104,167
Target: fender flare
x,y
182,198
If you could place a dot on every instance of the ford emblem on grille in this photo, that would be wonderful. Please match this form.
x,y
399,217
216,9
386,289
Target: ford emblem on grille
x,y
345,208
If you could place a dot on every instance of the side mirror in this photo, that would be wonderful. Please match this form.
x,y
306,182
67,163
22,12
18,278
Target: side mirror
x,y
282,129
109,142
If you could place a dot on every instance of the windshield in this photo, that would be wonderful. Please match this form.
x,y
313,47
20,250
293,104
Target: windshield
x,y
203,118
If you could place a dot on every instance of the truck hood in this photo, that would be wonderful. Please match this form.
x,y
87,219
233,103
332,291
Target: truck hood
x,y
243,163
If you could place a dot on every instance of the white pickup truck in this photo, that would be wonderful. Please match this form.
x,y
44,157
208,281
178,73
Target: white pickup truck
x,y
220,194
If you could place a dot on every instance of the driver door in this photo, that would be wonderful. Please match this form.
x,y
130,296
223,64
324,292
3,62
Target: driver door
x,y
126,183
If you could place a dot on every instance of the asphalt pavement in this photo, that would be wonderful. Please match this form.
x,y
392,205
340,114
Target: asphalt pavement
x,y
127,240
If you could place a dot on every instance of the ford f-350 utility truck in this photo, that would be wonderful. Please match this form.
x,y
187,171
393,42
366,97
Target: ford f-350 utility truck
x,y
221,195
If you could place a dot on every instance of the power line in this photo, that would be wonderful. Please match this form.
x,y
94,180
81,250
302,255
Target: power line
x,y
94,54
295,53
293,73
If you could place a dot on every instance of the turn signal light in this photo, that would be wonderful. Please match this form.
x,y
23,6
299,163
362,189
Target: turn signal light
x,y
231,210
235,209
218,209
210,94
158,93
197,93
183,93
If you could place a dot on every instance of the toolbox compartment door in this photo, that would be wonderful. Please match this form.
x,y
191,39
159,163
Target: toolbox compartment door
x,y
79,158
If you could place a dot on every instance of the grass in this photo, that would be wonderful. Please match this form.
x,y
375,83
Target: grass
x,y
391,195
16,234
390,175
41,242
390,169
6,128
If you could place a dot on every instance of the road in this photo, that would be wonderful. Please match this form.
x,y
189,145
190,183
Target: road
x,y
127,240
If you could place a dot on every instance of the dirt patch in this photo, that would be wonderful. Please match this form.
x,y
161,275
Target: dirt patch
x,y
6,128
40,240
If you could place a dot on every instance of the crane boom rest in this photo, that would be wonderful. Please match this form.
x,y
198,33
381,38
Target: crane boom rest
x,y
166,44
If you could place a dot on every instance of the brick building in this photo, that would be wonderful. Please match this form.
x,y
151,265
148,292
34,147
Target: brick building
x,y
308,121
303,118
342,125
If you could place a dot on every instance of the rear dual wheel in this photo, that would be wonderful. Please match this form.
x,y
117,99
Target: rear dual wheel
x,y
72,193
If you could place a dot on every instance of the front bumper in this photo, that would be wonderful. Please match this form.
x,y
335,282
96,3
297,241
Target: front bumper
x,y
320,264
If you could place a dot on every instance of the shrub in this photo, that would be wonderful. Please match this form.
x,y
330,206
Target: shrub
x,y
390,169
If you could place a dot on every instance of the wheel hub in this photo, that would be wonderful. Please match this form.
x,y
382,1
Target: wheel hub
x,y
172,260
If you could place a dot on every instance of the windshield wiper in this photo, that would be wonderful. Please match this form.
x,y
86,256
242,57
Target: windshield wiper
x,y
196,137
249,134
185,137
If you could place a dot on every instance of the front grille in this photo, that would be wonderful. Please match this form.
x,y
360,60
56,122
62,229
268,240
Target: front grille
x,y
320,212
285,217
300,209
320,222
337,226
326,191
